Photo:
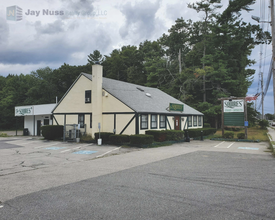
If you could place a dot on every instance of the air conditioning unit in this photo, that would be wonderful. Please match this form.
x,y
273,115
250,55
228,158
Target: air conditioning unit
x,y
87,100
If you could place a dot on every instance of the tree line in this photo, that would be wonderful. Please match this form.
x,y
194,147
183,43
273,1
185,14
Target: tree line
x,y
195,62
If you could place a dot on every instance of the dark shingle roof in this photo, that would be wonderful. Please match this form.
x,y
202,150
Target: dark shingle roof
x,y
143,99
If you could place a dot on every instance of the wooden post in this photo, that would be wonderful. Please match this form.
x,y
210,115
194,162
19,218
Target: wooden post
x,y
64,128
245,116
222,119
16,127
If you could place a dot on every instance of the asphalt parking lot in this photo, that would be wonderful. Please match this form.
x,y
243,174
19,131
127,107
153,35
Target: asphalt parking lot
x,y
27,153
195,180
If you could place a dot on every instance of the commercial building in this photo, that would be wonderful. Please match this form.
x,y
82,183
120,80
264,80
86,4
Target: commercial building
x,y
96,103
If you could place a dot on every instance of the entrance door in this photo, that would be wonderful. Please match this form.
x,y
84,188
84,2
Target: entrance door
x,y
177,122
38,123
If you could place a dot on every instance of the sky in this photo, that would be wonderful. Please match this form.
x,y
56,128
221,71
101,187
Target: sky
x,y
54,32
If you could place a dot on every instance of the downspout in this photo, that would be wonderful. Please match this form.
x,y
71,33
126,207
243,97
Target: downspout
x,y
33,125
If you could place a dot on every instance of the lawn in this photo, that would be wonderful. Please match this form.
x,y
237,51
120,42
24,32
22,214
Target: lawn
x,y
254,133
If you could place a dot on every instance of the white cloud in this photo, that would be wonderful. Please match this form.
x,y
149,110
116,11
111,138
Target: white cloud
x,y
44,40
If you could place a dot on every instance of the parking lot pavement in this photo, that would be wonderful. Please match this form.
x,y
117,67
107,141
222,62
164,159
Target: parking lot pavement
x,y
231,146
37,164
19,154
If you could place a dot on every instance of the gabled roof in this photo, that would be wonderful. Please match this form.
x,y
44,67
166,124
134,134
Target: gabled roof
x,y
143,99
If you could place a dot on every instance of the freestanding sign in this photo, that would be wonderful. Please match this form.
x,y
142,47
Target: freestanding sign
x,y
233,105
234,113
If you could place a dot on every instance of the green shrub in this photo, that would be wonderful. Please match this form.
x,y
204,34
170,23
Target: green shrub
x,y
229,134
236,129
263,123
241,136
87,138
104,136
193,133
3,135
119,139
52,132
159,136
166,135
141,139
174,135
207,125
228,128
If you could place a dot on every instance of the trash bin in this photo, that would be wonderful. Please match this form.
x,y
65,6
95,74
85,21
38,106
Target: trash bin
x,y
25,132
187,138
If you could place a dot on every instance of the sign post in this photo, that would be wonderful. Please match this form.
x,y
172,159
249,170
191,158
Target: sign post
x,y
99,140
245,118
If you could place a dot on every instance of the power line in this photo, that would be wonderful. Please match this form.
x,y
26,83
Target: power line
x,y
266,84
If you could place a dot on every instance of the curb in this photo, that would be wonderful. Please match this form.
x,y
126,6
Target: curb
x,y
270,141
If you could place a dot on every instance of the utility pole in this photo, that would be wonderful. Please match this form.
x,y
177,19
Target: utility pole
x,y
262,86
273,45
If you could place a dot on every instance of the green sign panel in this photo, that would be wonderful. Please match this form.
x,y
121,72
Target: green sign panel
x,y
176,107
234,119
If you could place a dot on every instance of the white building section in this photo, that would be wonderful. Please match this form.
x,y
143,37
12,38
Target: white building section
x,y
35,116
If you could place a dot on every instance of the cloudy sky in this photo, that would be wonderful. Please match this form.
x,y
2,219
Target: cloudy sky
x,y
78,27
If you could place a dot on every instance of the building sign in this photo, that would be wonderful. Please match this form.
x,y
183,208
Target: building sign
x,y
233,105
175,107
22,111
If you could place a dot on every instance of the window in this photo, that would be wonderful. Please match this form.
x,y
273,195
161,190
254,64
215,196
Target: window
x,y
189,121
91,120
199,120
154,121
46,121
162,121
195,121
144,122
88,96
81,120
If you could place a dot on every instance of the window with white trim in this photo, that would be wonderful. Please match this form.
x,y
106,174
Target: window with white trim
x,y
195,121
199,120
162,121
189,121
154,121
144,122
